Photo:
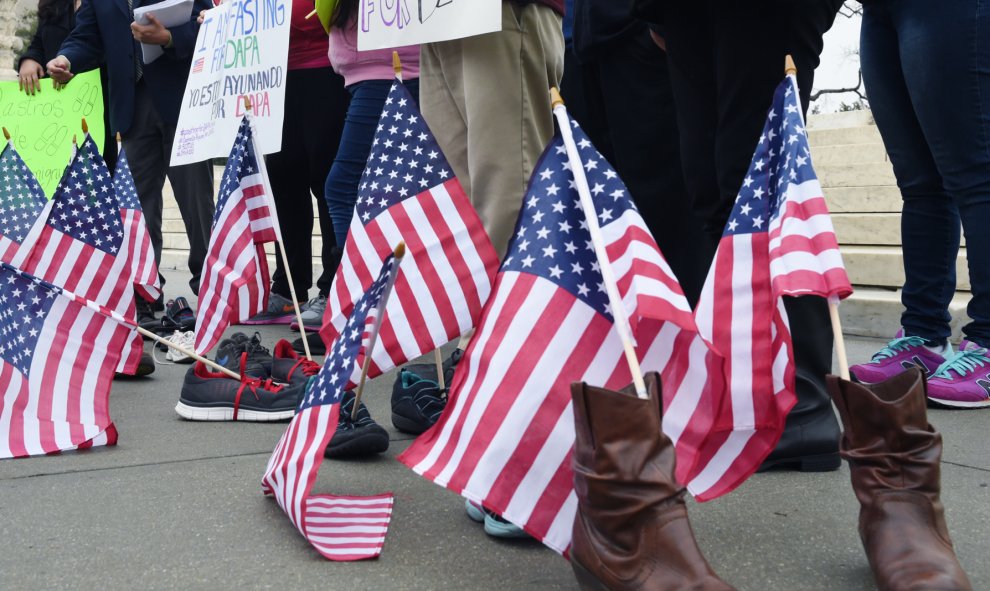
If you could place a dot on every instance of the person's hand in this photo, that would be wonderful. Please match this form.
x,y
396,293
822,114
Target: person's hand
x,y
60,70
29,77
660,41
153,33
201,17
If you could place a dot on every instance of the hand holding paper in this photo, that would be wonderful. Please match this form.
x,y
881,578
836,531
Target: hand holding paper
x,y
152,22
153,33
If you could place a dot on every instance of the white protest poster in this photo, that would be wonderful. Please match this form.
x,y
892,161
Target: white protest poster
x,y
383,24
241,52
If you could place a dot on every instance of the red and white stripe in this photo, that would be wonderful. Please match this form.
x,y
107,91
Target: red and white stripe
x,y
65,403
745,323
443,283
340,528
105,278
804,252
145,270
235,279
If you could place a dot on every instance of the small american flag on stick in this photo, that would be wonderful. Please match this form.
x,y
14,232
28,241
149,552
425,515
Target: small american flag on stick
x,y
140,251
408,193
340,528
779,241
235,281
21,202
506,436
57,360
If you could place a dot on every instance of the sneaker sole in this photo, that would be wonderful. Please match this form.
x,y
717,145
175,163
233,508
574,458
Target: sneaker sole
x,y
265,321
503,530
816,463
309,327
408,426
941,403
367,445
474,513
193,413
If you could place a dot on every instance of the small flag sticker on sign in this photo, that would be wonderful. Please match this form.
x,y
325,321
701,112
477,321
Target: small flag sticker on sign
x,y
198,65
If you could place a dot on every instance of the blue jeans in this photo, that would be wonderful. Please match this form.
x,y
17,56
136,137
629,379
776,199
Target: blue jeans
x,y
927,71
367,102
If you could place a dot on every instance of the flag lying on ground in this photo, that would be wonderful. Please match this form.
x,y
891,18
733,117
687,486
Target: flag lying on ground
x,y
57,359
408,193
81,244
235,281
779,241
142,255
21,202
340,528
506,436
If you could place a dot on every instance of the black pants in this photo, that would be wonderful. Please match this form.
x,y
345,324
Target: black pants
x,y
315,106
726,59
149,147
623,101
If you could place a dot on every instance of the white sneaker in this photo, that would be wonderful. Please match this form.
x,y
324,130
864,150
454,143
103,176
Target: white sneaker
x,y
186,340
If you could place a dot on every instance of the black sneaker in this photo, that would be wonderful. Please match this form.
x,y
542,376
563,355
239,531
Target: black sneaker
x,y
159,304
316,346
428,371
417,403
146,318
145,367
179,315
244,354
208,396
356,436
289,367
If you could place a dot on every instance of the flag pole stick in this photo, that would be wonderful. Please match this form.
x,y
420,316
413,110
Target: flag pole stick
x,y
278,232
608,276
6,134
790,69
441,379
400,251
119,319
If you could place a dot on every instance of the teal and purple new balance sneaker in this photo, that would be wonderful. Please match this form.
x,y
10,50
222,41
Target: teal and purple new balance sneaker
x,y
963,381
900,354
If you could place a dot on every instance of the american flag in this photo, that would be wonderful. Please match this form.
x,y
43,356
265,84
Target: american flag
x,y
81,244
141,253
57,360
778,241
340,528
21,202
506,436
198,65
235,280
408,193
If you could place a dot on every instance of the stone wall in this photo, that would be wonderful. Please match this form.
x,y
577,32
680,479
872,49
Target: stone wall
x,y
16,25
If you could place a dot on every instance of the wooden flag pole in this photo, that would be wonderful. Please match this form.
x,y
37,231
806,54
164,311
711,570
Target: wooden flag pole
x,y
188,352
281,249
790,69
608,276
400,251
441,379
6,134
85,126
397,65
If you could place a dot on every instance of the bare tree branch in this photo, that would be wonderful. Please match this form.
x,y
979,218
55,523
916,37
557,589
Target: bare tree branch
x,y
858,89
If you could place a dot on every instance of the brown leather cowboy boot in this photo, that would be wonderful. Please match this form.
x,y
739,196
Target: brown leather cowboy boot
x,y
631,530
894,457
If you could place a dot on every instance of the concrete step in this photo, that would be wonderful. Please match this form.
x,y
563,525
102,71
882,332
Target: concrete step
x,y
866,134
883,266
177,241
841,120
849,154
877,229
877,313
874,199
856,175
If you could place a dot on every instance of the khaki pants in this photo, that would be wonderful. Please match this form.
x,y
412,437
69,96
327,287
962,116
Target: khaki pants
x,y
487,101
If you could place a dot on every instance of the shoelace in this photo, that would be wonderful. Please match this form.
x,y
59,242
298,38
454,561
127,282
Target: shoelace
x,y
254,346
896,346
253,384
962,362
309,368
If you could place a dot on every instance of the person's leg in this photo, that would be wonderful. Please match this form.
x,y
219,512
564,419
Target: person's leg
x,y
148,162
956,124
363,113
327,96
508,123
929,220
647,154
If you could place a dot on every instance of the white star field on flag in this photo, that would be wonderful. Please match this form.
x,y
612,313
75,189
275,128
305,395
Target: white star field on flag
x,y
21,197
85,205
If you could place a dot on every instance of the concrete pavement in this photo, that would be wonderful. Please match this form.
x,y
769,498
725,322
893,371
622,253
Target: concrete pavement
x,y
177,505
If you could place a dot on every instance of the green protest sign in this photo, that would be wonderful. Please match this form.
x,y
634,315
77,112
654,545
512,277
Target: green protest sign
x,y
42,125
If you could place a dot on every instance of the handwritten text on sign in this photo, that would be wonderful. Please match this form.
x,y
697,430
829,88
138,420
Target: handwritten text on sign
x,y
42,125
241,52
397,23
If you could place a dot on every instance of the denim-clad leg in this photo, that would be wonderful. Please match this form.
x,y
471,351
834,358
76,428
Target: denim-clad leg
x,y
931,101
367,102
